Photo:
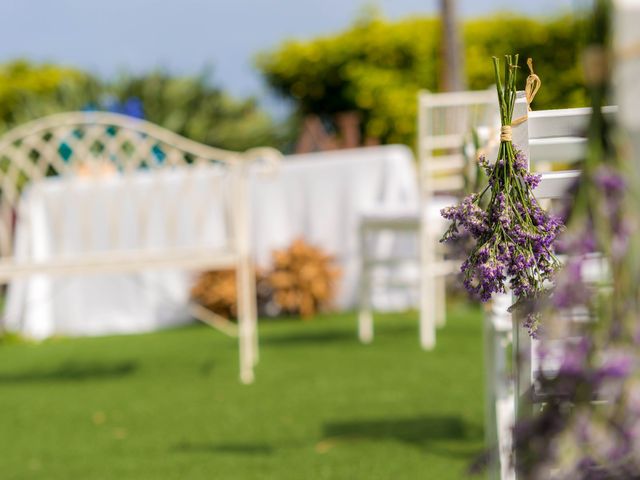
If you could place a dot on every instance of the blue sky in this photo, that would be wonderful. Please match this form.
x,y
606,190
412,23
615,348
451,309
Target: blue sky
x,y
183,36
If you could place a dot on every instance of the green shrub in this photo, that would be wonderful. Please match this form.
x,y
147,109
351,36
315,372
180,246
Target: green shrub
x,y
193,107
377,67
30,91
190,106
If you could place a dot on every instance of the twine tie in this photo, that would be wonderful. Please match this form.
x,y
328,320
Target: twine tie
x,y
531,88
505,133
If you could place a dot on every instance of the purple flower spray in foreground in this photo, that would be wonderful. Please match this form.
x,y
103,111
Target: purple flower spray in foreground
x,y
513,235
588,424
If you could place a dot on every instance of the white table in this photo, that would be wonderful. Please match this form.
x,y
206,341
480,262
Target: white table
x,y
318,197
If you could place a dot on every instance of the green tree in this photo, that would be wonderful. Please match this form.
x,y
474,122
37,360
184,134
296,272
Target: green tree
x,y
554,44
191,106
29,91
377,67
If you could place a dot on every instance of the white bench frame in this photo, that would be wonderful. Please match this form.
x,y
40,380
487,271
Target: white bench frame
x,y
97,140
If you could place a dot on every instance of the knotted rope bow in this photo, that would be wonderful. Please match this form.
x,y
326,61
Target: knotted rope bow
x,y
531,88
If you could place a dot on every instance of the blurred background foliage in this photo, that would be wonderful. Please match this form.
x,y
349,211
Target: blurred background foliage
x,y
29,91
376,67
191,106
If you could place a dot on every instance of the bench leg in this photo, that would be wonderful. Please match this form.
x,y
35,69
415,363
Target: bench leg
x,y
247,321
246,279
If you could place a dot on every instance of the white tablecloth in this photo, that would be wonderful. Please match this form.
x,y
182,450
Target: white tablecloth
x,y
318,197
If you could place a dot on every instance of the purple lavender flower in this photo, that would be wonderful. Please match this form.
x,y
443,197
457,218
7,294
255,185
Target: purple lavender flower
x,y
514,236
617,365
610,181
573,436
570,289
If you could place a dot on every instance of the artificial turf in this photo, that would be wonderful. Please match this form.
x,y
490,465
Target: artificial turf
x,y
168,405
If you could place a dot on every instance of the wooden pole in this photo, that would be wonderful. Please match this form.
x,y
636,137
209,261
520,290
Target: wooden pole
x,y
451,65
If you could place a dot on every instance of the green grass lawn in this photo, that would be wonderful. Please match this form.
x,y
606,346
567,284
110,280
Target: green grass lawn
x,y
168,405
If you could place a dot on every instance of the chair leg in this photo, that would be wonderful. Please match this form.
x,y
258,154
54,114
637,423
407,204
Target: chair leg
x,y
256,345
365,314
365,325
440,285
427,311
491,399
500,380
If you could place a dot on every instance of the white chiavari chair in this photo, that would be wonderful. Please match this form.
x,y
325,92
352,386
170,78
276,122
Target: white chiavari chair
x,y
445,121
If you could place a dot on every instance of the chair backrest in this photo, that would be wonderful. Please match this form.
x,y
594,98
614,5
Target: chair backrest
x,y
98,145
554,138
445,121
558,137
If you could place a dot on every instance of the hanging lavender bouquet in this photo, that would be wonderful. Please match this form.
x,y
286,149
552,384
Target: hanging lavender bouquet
x,y
513,234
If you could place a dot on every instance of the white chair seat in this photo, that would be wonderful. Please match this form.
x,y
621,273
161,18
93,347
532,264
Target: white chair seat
x,y
410,216
390,218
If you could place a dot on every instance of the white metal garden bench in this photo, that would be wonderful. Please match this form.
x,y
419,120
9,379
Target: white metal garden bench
x,y
444,123
101,146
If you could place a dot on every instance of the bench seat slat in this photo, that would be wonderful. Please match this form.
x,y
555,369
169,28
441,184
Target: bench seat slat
x,y
123,261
